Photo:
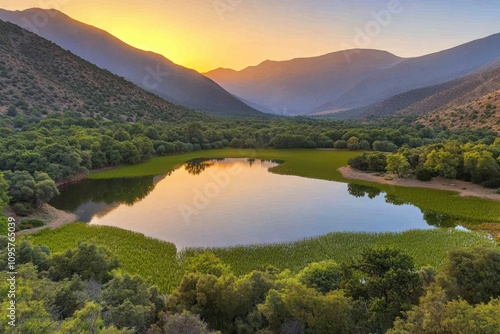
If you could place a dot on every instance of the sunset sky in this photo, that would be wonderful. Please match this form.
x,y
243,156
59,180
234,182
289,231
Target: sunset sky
x,y
206,34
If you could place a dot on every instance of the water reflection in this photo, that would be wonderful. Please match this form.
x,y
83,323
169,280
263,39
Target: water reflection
x,y
432,218
225,202
439,219
90,197
197,166
357,190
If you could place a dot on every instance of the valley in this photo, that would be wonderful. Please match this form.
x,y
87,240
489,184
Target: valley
x,y
295,188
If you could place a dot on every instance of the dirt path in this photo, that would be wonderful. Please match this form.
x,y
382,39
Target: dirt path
x,y
464,188
47,213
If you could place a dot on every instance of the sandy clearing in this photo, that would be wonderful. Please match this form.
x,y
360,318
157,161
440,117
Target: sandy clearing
x,y
53,217
465,189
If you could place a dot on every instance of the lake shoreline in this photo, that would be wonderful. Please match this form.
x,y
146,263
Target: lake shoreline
x,y
463,188
53,218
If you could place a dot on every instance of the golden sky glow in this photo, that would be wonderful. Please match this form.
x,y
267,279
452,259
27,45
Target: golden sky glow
x,y
206,34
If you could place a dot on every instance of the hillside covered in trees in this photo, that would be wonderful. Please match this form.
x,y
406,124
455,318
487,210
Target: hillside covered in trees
x,y
38,77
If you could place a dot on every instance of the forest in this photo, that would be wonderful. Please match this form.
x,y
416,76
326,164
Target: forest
x,y
381,291
478,163
37,153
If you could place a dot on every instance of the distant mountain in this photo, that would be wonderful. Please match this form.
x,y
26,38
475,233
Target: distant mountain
x,y
468,102
299,86
38,77
420,72
148,70
331,83
394,104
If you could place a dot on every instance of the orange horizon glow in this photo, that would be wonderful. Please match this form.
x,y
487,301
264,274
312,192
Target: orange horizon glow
x,y
199,35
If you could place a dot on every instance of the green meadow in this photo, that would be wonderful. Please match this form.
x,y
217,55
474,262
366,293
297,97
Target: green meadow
x,y
323,164
158,261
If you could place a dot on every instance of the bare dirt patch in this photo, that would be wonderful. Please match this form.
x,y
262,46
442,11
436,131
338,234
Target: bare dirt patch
x,y
464,188
52,217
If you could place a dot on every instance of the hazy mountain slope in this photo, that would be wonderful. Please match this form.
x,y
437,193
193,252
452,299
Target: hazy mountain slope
x,y
151,71
393,104
483,112
300,85
475,103
330,83
39,77
462,91
420,72
457,103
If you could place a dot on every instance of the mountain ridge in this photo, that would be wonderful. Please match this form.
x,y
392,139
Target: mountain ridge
x,y
37,77
301,83
375,86
149,70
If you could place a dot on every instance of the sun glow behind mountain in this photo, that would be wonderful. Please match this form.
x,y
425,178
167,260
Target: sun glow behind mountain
x,y
205,35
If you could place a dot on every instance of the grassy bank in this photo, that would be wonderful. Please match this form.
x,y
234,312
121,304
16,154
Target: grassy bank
x,y
323,164
157,261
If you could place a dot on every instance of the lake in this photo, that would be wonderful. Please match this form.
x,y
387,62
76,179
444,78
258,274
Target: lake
x,y
227,202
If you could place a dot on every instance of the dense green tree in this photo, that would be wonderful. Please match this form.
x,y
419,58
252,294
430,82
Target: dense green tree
x,y
129,303
224,302
45,188
472,275
4,199
312,310
67,297
370,162
30,191
185,322
88,261
481,165
89,320
364,145
384,146
353,143
4,191
323,276
340,144
207,263
292,141
121,135
39,255
436,315
398,164
384,283
442,162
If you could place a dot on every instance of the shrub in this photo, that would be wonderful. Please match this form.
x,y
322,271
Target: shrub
x,y
340,144
492,183
323,276
364,145
371,162
353,144
29,224
384,146
471,274
423,174
12,111
22,209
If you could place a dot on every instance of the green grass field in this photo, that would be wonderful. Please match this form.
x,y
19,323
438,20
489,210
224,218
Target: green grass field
x,y
158,262
323,164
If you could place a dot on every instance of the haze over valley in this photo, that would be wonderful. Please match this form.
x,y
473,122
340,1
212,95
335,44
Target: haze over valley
x,y
250,167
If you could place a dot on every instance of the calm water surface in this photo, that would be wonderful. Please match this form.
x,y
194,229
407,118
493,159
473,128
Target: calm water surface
x,y
226,202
